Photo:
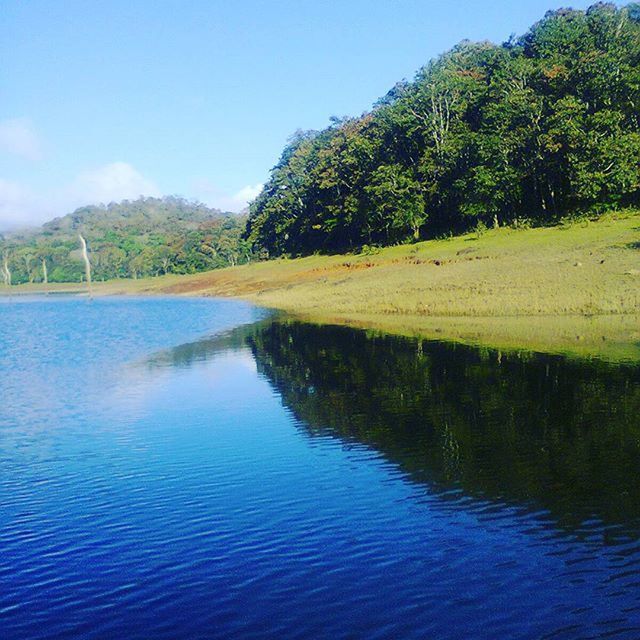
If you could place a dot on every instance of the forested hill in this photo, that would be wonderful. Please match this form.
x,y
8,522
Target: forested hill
x,y
145,214
539,127
130,239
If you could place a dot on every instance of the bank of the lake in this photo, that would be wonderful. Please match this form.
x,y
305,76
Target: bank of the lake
x,y
573,288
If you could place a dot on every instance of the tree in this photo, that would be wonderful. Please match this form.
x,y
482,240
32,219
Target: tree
x,y
397,202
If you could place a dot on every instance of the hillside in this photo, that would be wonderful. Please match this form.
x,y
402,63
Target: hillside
x,y
146,215
572,288
130,239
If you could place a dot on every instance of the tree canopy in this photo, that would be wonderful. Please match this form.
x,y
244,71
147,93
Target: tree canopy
x,y
539,127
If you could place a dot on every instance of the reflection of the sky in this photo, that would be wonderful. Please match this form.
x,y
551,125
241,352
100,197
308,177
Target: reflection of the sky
x,y
59,353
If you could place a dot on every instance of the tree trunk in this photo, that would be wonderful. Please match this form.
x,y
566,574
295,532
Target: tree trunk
x,y
85,257
5,269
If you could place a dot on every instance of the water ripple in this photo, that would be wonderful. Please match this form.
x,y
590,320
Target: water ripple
x,y
170,494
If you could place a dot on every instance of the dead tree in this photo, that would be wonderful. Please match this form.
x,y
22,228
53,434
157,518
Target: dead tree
x,y
87,264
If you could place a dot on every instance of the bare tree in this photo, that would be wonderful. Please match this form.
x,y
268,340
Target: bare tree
x,y
85,257
6,273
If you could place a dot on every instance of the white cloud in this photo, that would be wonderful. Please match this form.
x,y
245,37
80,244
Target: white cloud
x,y
19,206
18,137
110,183
248,193
208,193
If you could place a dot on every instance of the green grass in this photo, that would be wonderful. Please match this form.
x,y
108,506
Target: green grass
x,y
571,288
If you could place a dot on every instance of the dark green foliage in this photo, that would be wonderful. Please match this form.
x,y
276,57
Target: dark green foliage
x,y
540,127
131,239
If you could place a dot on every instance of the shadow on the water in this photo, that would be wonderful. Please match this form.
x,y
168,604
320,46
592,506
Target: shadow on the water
x,y
534,431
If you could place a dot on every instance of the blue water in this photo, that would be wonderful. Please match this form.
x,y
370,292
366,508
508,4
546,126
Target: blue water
x,y
196,469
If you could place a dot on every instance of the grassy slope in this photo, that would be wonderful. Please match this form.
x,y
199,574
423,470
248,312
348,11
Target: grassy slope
x,y
580,282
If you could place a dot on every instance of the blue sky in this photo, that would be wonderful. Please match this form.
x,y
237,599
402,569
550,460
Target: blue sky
x,y
102,100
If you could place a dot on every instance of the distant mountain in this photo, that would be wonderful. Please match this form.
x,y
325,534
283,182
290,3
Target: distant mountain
x,y
147,215
132,238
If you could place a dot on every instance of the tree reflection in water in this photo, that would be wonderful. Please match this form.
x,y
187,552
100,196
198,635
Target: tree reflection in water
x,y
533,431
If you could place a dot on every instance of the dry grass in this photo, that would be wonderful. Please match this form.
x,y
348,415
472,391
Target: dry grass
x,y
479,284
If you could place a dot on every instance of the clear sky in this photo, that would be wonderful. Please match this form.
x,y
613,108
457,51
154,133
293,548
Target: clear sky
x,y
106,99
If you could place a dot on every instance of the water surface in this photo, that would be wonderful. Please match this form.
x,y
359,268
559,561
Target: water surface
x,y
196,469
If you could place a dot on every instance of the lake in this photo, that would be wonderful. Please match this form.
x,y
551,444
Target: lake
x,y
185,468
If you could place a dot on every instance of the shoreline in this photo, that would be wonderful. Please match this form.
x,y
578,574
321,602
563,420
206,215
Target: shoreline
x,y
572,289
609,338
